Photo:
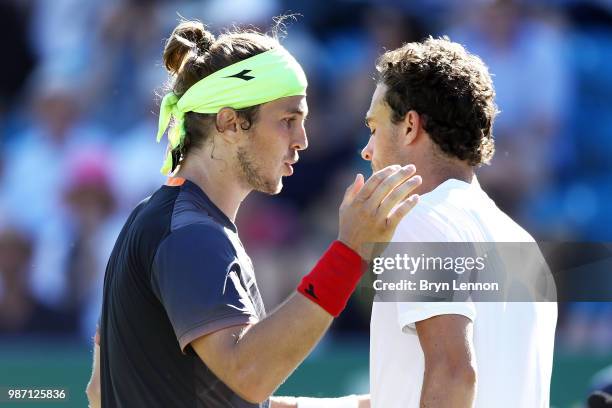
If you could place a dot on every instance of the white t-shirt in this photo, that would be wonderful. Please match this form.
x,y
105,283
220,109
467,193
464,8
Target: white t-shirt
x,y
513,341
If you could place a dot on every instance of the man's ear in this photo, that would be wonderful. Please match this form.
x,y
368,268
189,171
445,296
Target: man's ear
x,y
227,124
411,126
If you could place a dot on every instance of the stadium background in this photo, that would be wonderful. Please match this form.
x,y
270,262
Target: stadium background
x,y
78,115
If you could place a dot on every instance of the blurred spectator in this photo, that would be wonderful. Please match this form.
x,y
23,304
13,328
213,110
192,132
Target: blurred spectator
x,y
20,312
127,69
62,35
587,327
223,13
75,246
270,230
36,165
136,159
528,142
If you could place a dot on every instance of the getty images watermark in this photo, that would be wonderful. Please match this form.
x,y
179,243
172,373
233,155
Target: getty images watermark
x,y
412,265
486,272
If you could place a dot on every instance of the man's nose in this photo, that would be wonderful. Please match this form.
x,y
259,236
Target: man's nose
x,y
366,152
301,140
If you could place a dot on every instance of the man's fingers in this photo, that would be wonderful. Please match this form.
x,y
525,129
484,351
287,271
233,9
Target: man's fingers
x,y
375,180
353,189
388,185
401,192
401,210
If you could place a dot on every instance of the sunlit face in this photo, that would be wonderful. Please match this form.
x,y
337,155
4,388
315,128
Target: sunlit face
x,y
271,147
383,148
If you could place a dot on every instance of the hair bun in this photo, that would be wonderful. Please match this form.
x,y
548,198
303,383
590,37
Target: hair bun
x,y
188,37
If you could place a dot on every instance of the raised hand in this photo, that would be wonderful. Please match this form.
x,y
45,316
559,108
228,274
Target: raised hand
x,y
370,211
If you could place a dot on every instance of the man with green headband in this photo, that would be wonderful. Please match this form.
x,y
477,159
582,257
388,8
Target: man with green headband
x,y
278,75
183,323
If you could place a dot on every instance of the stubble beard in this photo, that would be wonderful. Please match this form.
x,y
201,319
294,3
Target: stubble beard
x,y
252,174
391,156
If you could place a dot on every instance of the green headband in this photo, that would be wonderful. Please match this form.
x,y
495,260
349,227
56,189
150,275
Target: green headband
x,y
271,75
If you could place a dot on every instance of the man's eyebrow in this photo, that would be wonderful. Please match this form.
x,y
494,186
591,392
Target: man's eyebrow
x,y
298,111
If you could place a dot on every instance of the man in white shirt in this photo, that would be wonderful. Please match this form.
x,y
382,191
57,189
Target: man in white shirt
x,y
434,107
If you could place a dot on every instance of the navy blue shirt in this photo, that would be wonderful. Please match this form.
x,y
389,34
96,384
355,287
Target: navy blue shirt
x,y
178,271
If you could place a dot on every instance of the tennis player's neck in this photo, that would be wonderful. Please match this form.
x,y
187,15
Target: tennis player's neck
x,y
435,177
227,194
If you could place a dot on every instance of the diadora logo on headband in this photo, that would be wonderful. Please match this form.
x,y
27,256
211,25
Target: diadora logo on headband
x,y
242,75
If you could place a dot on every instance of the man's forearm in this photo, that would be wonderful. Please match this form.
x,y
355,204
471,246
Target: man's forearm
x,y
447,387
270,350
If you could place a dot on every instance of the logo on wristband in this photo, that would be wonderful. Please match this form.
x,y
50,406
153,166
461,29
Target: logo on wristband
x,y
310,291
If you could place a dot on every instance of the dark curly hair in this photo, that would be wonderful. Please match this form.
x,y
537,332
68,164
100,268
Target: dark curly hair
x,y
451,90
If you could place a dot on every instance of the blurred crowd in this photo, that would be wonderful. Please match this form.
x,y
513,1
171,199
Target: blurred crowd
x,y
80,86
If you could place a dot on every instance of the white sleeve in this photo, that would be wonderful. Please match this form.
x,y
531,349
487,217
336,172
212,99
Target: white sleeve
x,y
408,313
422,225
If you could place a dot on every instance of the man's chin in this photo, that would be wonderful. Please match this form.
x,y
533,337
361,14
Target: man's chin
x,y
275,191
271,188
279,187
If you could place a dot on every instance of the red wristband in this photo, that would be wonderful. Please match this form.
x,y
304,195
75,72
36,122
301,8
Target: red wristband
x,y
334,278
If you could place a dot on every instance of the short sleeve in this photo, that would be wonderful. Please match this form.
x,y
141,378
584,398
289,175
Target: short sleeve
x,y
196,277
408,313
425,225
